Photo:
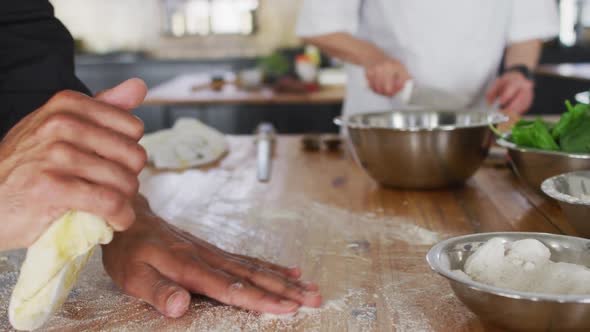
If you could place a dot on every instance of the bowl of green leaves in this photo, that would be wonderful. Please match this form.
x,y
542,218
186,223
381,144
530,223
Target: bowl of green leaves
x,y
540,149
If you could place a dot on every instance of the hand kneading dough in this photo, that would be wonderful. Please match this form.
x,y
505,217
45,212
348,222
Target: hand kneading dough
x,y
52,266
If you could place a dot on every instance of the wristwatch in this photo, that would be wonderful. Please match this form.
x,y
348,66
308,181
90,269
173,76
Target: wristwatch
x,y
524,70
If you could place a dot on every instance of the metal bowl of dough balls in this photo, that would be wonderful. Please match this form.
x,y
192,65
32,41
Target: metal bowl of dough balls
x,y
512,309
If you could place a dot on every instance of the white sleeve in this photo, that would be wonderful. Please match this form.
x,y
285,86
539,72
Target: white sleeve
x,y
533,19
320,17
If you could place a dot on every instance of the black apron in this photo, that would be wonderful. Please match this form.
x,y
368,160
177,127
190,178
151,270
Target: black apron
x,y
36,59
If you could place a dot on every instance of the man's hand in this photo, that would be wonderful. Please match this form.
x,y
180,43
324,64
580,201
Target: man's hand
x,y
514,92
386,76
75,152
161,265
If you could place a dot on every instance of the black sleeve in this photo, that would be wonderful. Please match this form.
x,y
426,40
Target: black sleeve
x,y
36,59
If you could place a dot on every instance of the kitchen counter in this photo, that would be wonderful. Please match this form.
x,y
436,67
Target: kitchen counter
x,y
575,71
364,245
179,92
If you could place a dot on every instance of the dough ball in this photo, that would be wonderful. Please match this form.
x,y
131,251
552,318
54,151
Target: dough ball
x,y
483,264
529,253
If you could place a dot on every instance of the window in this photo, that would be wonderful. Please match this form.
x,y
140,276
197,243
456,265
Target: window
x,y
209,17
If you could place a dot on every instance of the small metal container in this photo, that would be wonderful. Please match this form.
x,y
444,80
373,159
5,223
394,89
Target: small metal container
x,y
534,166
421,149
332,142
572,191
512,309
311,142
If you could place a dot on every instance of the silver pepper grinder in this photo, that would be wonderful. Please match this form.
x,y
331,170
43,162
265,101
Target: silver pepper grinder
x,y
265,140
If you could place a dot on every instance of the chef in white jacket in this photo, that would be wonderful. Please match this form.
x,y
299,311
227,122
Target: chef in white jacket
x,y
451,50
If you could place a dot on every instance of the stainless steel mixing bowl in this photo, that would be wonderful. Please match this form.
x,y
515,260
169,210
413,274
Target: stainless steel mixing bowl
x,y
535,166
572,191
512,309
421,149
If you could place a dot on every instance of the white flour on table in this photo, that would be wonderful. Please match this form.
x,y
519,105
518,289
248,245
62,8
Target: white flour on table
x,y
351,303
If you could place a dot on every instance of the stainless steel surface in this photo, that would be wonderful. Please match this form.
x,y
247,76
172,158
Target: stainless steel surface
x,y
512,309
583,97
535,166
421,149
265,136
572,191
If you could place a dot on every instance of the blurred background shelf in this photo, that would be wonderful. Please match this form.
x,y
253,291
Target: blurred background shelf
x,y
290,114
158,40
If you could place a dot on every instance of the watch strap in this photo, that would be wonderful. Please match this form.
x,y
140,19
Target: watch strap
x,y
524,70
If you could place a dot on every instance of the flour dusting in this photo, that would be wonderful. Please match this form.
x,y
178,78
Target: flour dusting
x,y
337,305
370,268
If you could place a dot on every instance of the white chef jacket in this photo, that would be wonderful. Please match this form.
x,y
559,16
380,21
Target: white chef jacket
x,y
450,47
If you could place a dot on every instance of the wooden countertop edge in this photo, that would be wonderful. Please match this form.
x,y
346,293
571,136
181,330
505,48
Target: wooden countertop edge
x,y
553,70
301,100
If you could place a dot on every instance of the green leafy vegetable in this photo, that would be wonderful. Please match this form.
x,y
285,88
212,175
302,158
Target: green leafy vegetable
x,y
275,64
522,133
569,119
571,134
577,138
534,134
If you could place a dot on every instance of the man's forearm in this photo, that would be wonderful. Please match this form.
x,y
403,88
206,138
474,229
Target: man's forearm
x,y
348,48
524,53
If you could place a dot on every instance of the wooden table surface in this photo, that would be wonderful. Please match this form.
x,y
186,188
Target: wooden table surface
x,y
576,71
364,245
179,91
